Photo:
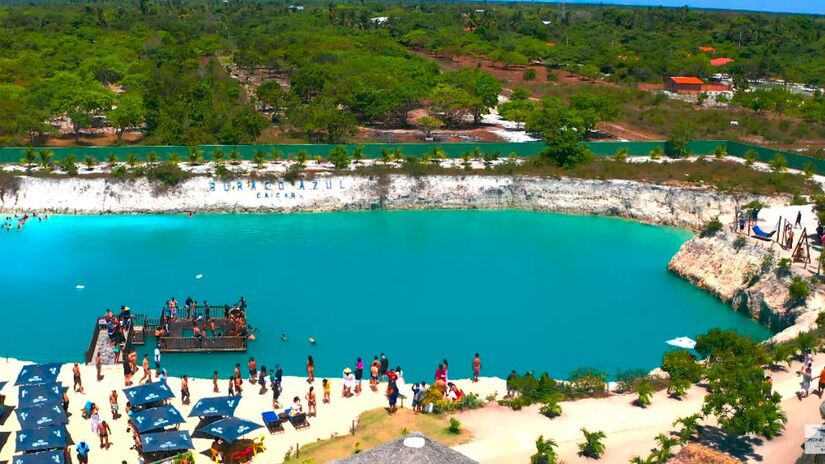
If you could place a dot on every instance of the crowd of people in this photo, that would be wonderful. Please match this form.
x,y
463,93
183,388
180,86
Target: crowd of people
x,y
203,323
17,222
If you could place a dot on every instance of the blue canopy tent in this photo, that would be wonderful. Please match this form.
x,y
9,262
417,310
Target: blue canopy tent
x,y
43,457
41,416
38,373
36,395
156,418
221,406
148,393
41,439
166,441
230,429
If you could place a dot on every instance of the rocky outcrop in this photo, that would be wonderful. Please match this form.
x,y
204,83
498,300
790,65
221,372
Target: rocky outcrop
x,y
746,277
642,202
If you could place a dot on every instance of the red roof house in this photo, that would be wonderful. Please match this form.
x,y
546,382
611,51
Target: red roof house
x,y
707,49
721,61
683,84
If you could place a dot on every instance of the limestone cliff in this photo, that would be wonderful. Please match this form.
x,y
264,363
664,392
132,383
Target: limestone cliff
x,y
639,201
747,278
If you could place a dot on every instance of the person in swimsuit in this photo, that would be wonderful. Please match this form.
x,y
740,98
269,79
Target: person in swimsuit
x,y
215,382
374,369
147,374
103,431
311,411
184,390
113,406
476,367
359,374
310,369
326,386
78,384
98,366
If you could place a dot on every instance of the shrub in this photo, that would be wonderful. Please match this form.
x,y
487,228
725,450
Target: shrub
x,y
750,157
798,200
551,407
339,158
68,165
588,381
119,172
799,289
711,228
529,74
678,387
778,163
167,174
293,173
767,263
680,364
627,380
645,391
784,264
690,427
621,155
720,151
455,426
820,319
657,152
739,243
593,444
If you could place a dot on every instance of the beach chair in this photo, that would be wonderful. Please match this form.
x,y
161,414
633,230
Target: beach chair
x,y
273,422
299,421
762,234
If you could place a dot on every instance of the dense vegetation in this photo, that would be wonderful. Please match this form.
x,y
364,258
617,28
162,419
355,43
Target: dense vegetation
x,y
199,72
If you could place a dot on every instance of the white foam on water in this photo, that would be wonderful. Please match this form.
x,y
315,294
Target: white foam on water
x,y
199,276
79,287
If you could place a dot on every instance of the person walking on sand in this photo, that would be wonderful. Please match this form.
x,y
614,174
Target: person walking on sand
x,y
113,406
476,367
262,380
215,388
798,223
821,385
147,374
806,384
310,369
184,390
103,431
157,360
78,384
310,397
253,370
231,387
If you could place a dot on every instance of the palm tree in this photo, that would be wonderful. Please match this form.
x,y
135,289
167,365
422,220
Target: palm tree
x,y
645,390
276,155
195,156
358,154
259,159
690,426
301,157
650,459
385,156
29,157
152,157
551,407
678,387
132,160
218,155
45,158
68,164
545,451
111,160
90,162
657,152
234,156
666,443
592,446
173,159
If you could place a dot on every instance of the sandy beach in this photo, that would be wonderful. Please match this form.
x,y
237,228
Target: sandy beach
x,y
499,435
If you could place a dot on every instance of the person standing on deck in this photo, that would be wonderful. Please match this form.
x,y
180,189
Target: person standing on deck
x,y
476,367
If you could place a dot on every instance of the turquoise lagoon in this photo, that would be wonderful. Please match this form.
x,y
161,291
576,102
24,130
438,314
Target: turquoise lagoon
x,y
528,290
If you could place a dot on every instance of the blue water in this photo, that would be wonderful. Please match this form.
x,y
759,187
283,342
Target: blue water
x,y
527,290
784,6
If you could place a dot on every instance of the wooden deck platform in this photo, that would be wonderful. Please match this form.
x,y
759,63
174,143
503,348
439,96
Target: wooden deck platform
x,y
181,335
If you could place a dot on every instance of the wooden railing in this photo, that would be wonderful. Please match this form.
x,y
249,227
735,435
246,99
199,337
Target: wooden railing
x,y
215,312
170,344
90,353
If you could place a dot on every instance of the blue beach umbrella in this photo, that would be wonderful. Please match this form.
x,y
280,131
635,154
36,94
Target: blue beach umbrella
x,y
166,441
230,429
156,418
41,416
148,393
221,406
2,384
36,395
41,439
43,457
38,373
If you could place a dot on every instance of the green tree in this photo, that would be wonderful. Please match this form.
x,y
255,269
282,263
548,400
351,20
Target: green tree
x,y
132,160
645,391
29,157
358,154
517,111
677,142
218,155
690,427
111,159
680,364
750,157
551,407
564,148
302,157
259,159
452,103
545,451
46,157
127,114
90,162
427,124
778,163
339,158
234,156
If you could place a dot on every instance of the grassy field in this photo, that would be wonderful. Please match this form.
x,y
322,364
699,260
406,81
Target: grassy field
x,y
376,427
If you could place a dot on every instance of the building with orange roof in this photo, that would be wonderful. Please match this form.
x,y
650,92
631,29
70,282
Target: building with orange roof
x,y
680,84
707,49
721,61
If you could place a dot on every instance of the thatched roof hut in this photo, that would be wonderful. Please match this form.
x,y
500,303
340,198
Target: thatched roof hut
x,y
415,448
695,453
